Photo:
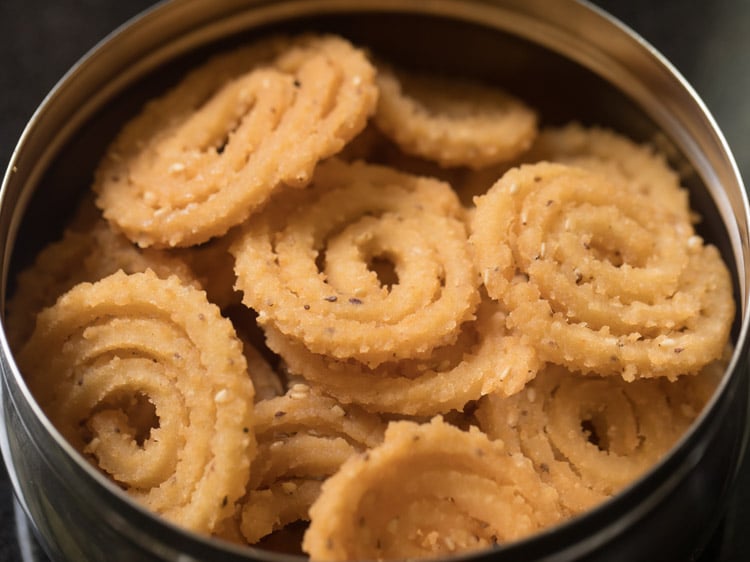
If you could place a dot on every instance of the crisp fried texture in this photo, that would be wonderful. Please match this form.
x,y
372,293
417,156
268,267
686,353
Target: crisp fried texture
x,y
600,279
88,251
107,353
317,289
451,121
591,436
485,359
428,490
201,158
303,437
636,167
304,264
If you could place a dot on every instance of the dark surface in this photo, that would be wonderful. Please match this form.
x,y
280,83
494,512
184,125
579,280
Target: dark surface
x,y
708,42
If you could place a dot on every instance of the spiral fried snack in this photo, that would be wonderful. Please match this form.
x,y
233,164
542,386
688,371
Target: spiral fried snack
x,y
451,121
146,379
305,264
484,359
89,254
637,168
303,437
587,436
601,279
427,490
384,303
201,158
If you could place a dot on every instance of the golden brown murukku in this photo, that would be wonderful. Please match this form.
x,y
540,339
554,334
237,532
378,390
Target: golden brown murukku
x,y
452,121
636,167
589,436
111,358
87,254
270,509
446,272
401,496
202,157
305,264
303,437
485,359
598,278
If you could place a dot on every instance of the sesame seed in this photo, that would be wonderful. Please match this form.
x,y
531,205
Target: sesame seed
x,y
299,391
694,242
289,487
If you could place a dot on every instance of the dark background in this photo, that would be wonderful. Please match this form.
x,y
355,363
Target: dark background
x,y
707,41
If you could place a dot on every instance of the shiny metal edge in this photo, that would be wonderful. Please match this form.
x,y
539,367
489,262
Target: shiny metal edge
x,y
540,20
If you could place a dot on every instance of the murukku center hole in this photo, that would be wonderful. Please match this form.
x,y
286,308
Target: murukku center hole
x,y
604,250
142,416
136,410
594,435
385,269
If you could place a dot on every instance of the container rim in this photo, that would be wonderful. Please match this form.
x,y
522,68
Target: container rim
x,y
542,21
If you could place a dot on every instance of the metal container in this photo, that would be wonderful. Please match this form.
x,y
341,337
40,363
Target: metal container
x,y
568,59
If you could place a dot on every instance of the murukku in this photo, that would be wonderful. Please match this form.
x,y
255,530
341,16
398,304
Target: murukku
x,y
88,253
428,490
588,436
601,279
202,157
310,288
636,167
485,359
452,121
303,437
144,377
305,264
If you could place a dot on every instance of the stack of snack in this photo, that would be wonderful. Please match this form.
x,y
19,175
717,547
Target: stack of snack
x,y
313,287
